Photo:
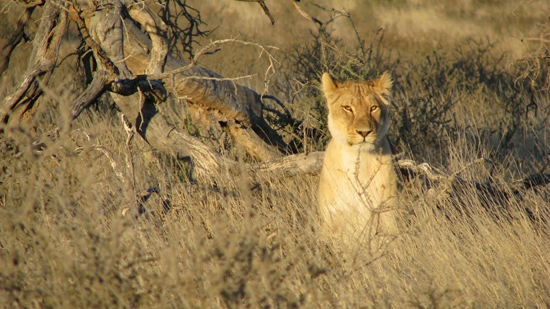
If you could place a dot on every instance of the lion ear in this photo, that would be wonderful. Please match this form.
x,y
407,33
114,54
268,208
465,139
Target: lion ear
x,y
383,84
329,84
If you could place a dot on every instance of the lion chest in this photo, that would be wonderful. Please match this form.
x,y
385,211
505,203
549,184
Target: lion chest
x,y
354,181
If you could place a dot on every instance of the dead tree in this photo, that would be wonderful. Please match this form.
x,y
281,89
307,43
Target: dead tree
x,y
135,68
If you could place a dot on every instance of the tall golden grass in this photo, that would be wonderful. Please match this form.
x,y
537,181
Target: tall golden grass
x,y
71,234
71,237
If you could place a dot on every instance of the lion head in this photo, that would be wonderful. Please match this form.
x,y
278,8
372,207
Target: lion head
x,y
358,110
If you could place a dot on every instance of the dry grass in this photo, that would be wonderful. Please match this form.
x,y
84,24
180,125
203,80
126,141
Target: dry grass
x,y
71,236
66,243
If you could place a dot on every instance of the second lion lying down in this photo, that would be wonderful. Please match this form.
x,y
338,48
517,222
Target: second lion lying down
x,y
358,184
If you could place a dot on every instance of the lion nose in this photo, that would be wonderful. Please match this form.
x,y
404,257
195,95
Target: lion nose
x,y
364,133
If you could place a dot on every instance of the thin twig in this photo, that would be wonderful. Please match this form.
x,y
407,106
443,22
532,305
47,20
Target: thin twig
x,y
204,51
304,14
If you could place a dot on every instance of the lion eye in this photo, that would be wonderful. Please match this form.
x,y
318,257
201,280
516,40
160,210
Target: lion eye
x,y
373,108
347,108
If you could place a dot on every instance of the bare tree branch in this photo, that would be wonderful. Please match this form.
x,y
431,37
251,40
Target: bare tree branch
x,y
264,8
156,30
31,4
304,14
96,88
12,36
46,43
291,165
100,55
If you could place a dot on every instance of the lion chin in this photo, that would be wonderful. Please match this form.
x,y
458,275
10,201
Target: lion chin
x,y
364,143
363,146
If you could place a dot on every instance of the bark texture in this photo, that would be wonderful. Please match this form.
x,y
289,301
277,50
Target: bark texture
x,y
43,59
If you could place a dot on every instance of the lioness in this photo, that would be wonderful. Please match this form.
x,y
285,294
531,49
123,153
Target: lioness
x,y
358,184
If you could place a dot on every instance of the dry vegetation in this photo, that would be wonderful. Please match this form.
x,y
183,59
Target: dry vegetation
x,y
71,232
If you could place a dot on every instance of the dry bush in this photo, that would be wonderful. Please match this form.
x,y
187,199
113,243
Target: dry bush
x,y
450,93
468,91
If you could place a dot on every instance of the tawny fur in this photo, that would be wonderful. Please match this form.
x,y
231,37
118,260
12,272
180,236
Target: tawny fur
x,y
358,184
